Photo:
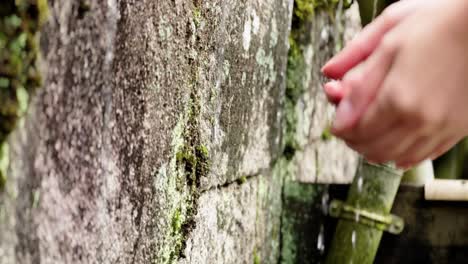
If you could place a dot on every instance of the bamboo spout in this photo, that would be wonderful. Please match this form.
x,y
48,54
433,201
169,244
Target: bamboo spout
x,y
373,190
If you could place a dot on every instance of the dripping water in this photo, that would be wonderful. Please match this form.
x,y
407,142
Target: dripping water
x,y
324,208
360,181
353,239
321,240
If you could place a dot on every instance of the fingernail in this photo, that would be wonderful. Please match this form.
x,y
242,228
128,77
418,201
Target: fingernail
x,y
323,67
326,65
343,115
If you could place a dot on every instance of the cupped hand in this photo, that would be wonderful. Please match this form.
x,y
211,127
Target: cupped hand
x,y
402,83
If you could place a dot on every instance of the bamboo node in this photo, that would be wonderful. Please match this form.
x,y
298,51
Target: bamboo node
x,y
386,222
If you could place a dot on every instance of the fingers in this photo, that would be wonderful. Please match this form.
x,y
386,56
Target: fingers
x,y
368,40
363,85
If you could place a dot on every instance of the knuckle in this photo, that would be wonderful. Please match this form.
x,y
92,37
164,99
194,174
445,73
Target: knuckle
x,y
407,108
389,16
403,105
430,120
353,79
388,44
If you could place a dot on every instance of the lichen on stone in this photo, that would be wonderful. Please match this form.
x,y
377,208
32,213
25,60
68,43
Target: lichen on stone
x,y
305,9
197,16
297,68
192,163
256,257
242,180
326,134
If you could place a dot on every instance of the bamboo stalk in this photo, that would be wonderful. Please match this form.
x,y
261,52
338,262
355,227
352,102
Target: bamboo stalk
x,y
419,175
369,9
450,165
373,190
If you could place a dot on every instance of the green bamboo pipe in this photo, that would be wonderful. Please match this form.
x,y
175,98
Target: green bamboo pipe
x,y
419,175
369,9
373,190
451,164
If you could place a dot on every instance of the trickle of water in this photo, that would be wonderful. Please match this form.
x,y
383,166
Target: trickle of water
x,y
320,240
353,239
325,198
360,181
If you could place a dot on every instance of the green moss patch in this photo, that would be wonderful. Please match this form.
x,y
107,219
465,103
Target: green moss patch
x,y
20,21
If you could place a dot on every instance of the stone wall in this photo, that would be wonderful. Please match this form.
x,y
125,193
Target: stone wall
x,y
160,132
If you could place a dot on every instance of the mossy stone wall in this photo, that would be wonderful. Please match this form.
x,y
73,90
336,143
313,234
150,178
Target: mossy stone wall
x,y
160,130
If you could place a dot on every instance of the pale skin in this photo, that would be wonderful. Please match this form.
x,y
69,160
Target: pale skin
x,y
401,85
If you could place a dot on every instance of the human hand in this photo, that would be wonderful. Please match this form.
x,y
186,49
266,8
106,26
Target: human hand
x,y
408,98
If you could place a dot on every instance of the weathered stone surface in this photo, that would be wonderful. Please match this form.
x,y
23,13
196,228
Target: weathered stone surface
x,y
157,135
147,107
321,157
239,223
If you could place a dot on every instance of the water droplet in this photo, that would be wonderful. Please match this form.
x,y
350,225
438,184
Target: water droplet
x,y
320,240
353,239
359,183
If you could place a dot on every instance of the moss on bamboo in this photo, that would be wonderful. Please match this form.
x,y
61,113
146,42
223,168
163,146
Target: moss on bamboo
x,y
374,189
20,22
